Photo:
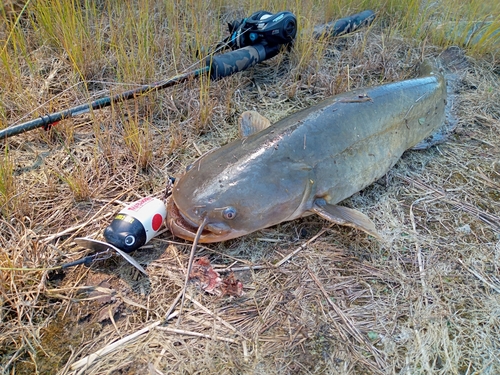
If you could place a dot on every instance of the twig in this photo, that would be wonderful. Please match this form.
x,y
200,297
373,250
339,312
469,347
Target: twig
x,y
31,269
190,265
351,328
245,351
197,149
197,334
301,247
76,227
228,325
419,252
220,270
87,361
240,269
475,273
172,306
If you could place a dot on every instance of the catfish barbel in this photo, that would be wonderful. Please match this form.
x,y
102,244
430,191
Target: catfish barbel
x,y
307,162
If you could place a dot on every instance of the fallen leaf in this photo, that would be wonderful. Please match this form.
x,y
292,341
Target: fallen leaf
x,y
205,276
231,286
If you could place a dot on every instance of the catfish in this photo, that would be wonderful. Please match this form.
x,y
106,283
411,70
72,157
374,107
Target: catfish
x,y
307,162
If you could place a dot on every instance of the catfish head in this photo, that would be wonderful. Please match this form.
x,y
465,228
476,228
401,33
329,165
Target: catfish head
x,y
238,190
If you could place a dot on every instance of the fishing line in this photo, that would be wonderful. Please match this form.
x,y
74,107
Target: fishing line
x,y
217,66
218,47
94,96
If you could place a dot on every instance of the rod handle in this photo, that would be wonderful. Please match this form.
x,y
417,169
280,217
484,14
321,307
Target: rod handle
x,y
240,59
345,25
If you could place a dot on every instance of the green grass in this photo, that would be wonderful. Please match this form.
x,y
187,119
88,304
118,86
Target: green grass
x,y
8,188
143,41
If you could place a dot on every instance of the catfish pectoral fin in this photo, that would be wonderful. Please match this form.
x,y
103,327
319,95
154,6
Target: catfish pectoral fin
x,y
251,122
345,216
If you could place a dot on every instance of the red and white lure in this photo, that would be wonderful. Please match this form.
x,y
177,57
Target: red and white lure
x,y
136,224
132,227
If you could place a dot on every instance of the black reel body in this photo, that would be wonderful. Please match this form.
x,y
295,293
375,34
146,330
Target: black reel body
x,y
253,40
263,28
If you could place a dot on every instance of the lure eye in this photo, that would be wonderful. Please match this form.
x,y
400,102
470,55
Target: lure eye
x,y
189,167
229,213
129,240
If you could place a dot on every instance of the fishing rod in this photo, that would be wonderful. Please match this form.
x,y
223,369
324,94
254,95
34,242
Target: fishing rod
x,y
253,40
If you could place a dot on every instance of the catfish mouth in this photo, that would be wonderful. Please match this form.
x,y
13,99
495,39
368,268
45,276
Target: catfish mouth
x,y
183,227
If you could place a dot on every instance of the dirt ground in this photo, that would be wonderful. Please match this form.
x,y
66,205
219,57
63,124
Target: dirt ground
x,y
317,298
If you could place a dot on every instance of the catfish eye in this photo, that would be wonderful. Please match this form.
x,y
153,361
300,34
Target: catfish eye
x,y
229,213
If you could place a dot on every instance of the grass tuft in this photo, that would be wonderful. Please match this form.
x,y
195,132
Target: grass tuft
x,y
8,187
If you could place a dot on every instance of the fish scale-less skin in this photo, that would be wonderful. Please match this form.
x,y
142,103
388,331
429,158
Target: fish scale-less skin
x,y
331,150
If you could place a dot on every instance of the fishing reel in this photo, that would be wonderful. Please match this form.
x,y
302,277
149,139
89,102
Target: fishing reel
x,y
253,39
263,27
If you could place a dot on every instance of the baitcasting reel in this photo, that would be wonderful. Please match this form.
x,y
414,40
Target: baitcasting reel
x,y
263,28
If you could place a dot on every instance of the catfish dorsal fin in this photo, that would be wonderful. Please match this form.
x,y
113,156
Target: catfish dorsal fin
x,y
251,122
345,216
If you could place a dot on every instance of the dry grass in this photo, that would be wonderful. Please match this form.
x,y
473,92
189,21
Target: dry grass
x,y
424,301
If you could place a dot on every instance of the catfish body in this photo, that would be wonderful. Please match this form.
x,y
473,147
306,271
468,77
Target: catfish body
x,y
307,162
